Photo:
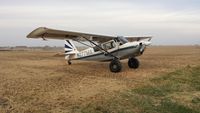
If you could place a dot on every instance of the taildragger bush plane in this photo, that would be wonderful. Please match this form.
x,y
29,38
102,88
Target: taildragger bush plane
x,y
100,48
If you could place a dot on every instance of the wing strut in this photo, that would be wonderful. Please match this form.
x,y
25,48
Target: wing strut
x,y
107,53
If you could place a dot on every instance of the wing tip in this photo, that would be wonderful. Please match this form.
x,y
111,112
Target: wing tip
x,y
37,33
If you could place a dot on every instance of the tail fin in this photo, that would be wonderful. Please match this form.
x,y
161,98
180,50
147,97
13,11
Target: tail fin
x,y
70,49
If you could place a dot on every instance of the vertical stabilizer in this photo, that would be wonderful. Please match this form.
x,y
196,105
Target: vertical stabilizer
x,y
70,50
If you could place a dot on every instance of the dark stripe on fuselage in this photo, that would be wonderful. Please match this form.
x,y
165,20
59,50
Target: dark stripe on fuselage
x,y
103,53
68,51
66,46
69,42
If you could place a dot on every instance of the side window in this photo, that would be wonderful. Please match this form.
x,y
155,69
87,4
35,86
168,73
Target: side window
x,y
109,45
113,45
105,46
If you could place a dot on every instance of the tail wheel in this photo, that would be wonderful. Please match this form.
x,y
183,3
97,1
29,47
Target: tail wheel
x,y
133,63
115,66
69,62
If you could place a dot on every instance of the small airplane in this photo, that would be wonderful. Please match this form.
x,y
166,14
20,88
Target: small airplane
x,y
100,48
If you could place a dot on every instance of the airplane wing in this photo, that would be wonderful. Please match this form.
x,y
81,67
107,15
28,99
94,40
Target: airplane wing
x,y
43,32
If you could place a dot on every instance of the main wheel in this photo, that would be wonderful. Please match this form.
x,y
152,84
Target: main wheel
x,y
115,66
133,63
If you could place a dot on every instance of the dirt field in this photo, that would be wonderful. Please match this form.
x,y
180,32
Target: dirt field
x,y
39,82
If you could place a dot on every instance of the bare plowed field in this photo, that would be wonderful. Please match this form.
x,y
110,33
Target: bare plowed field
x,y
40,82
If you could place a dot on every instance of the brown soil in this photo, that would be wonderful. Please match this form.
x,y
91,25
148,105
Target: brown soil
x,y
39,81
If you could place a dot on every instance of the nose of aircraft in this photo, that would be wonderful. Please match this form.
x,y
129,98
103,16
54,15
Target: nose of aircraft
x,y
143,45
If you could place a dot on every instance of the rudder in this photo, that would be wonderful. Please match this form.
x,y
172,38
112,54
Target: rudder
x,y
70,50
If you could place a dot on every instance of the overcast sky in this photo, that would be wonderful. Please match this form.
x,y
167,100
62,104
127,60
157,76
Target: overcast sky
x,y
170,22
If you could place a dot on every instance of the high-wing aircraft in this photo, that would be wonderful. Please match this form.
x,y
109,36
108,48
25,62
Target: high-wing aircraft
x,y
100,48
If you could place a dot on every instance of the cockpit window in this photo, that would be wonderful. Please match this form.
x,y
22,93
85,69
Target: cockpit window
x,y
109,45
106,46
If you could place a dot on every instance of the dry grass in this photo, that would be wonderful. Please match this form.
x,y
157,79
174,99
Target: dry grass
x,y
39,82
174,92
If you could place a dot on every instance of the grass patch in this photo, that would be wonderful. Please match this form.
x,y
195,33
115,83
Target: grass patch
x,y
158,96
167,106
187,79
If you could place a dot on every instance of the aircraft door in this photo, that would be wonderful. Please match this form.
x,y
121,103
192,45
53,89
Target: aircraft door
x,y
109,45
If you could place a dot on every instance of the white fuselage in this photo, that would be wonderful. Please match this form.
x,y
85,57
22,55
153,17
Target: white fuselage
x,y
121,51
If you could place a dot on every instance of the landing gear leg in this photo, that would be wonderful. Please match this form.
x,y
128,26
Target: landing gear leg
x,y
133,63
115,66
